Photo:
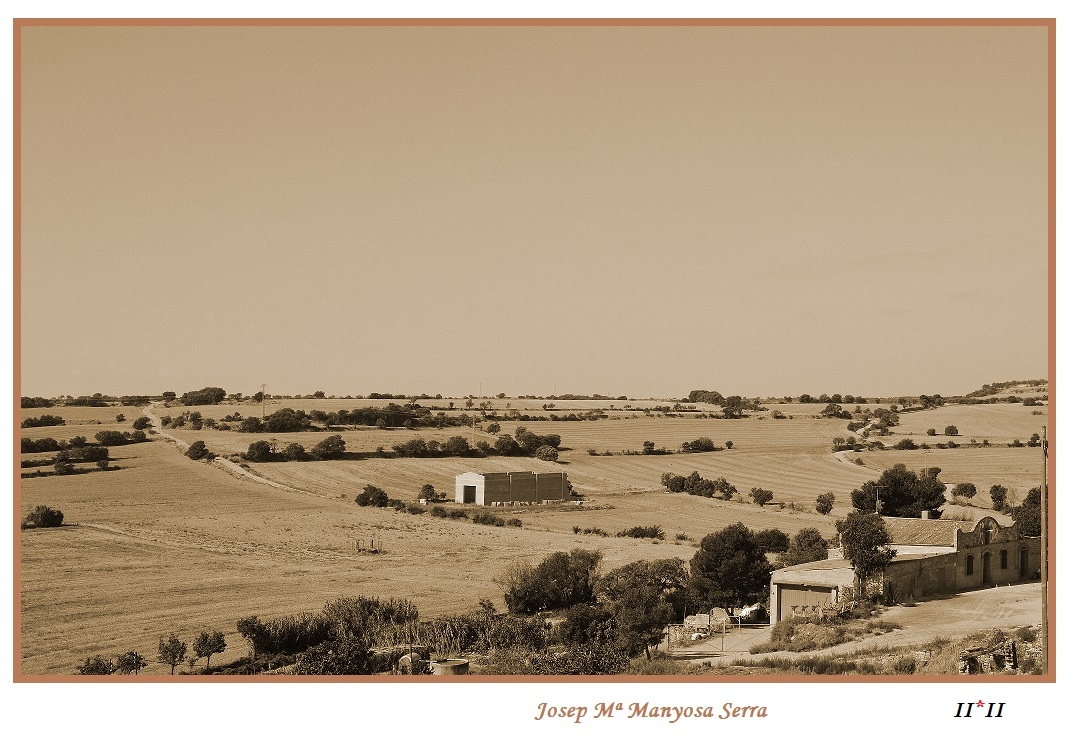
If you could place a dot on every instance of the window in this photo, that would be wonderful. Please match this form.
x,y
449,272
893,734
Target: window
x,y
968,565
1004,560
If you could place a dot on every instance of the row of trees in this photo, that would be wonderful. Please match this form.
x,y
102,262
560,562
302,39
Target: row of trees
x,y
698,486
171,651
330,448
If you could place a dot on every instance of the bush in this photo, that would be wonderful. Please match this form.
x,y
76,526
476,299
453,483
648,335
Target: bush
x,y
931,431
43,516
43,421
457,514
653,532
950,430
372,496
905,444
142,423
485,518
97,665
437,511
514,522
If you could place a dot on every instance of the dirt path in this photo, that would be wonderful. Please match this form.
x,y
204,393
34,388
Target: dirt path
x,y
1002,607
223,463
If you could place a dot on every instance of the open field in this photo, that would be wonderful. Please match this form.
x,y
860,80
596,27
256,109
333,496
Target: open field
x,y
169,544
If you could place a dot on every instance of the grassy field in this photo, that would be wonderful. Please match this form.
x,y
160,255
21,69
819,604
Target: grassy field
x,y
168,544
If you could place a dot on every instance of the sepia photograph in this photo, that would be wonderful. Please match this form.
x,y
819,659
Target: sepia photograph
x,y
501,351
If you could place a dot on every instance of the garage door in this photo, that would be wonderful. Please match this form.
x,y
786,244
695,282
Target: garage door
x,y
803,601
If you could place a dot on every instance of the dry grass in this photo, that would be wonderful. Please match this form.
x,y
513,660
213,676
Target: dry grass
x,y
169,544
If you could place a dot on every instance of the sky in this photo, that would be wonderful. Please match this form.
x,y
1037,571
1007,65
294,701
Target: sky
x,y
630,211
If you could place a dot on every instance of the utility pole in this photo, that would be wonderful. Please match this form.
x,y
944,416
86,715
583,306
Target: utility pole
x,y
263,401
1043,551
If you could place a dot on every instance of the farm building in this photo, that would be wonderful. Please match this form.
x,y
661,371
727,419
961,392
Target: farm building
x,y
933,557
513,487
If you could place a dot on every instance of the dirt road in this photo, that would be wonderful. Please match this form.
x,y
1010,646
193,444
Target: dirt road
x,y
1003,607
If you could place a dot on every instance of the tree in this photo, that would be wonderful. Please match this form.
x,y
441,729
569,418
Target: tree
x,y
259,452
130,662
546,453
825,502
965,489
294,452
172,651
560,580
198,450
864,538
902,492
507,446
142,423
772,541
43,516
493,428
760,496
642,597
255,632
998,497
97,665
207,395
1027,515
428,493
110,437
120,417
950,430
807,545
208,644
328,449
729,569
372,496
931,431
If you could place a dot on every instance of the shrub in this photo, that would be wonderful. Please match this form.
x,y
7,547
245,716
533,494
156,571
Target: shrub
x,y
905,444
437,511
931,431
653,532
142,423
97,665
457,514
64,468
43,421
413,508
485,518
950,430
514,522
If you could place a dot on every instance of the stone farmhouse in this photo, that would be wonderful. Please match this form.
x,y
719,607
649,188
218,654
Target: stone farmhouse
x,y
934,558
